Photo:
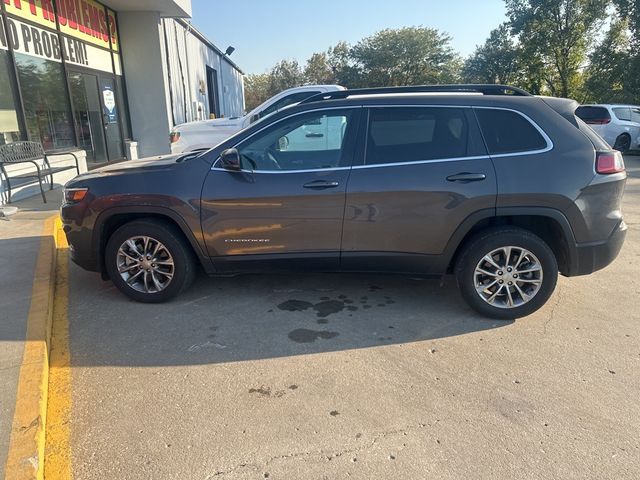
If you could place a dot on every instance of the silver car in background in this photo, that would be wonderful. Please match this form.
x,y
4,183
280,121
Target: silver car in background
x,y
619,125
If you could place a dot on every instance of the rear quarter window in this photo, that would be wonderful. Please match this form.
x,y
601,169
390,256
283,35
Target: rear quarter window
x,y
623,113
506,132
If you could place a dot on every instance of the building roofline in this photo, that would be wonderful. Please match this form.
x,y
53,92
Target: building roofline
x,y
191,28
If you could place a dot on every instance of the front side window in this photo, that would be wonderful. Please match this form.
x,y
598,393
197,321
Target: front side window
x,y
635,114
302,142
46,106
398,135
507,132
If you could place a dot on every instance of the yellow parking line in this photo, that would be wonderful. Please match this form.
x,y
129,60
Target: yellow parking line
x,y
26,445
58,449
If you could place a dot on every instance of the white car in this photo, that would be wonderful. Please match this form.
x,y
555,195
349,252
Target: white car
x,y
208,133
619,125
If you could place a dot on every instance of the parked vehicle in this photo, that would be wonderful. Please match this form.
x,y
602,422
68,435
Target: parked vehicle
x,y
619,125
501,188
205,134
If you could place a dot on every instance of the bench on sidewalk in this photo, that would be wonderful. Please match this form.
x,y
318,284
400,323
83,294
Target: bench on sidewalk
x,y
31,152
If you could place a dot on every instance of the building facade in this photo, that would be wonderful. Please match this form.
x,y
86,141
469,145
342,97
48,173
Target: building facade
x,y
110,78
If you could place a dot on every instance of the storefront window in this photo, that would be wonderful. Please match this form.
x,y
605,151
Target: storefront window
x,y
46,106
9,128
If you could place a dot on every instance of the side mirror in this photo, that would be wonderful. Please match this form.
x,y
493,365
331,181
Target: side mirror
x,y
254,118
230,160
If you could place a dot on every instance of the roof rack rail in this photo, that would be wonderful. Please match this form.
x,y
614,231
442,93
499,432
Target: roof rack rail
x,y
485,89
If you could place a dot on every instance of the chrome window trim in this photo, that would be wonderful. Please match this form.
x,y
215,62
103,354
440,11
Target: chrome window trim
x,y
217,169
550,146
420,162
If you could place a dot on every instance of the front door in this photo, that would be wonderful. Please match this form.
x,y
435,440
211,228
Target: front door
x,y
87,109
425,171
288,201
96,115
111,117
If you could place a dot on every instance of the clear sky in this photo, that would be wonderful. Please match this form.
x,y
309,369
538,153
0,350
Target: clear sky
x,y
266,31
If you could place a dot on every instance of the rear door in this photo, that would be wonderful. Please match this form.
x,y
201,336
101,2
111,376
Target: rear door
x,y
424,171
288,201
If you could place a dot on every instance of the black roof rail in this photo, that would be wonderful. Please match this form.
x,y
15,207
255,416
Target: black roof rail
x,y
484,89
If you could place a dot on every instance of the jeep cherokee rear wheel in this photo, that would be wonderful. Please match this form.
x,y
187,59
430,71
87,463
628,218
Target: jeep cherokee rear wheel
x,y
148,261
506,273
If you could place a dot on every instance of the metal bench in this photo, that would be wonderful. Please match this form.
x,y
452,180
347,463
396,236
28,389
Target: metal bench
x,y
30,152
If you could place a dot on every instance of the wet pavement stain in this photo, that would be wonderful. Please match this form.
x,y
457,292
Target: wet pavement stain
x,y
266,392
295,306
303,335
323,309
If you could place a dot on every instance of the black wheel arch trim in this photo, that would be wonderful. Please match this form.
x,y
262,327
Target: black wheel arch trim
x,y
472,220
105,215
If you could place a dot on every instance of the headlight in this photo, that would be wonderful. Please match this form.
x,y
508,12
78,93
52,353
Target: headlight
x,y
75,195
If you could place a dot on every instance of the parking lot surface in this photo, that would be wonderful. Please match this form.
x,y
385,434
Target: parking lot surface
x,y
357,376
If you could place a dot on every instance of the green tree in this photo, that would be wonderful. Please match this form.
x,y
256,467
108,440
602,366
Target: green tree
x,y
256,90
608,74
629,10
405,56
556,36
497,61
318,71
284,75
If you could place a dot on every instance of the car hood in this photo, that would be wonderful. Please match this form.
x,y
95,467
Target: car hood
x,y
215,123
130,166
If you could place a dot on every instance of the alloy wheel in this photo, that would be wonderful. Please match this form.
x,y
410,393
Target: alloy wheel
x,y
145,264
508,277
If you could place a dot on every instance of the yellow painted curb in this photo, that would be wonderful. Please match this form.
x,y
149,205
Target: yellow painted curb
x,y
25,459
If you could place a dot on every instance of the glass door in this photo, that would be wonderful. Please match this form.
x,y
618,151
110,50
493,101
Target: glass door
x,y
111,118
88,115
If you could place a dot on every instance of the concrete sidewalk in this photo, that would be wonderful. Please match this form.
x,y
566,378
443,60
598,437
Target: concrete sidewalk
x,y
20,242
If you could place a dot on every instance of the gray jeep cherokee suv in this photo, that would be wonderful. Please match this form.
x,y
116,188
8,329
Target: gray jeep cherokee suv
x,y
501,188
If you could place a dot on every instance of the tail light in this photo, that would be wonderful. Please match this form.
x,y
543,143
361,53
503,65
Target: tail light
x,y
598,121
609,162
174,137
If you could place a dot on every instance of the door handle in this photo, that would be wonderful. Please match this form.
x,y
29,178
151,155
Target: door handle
x,y
321,184
466,177
315,135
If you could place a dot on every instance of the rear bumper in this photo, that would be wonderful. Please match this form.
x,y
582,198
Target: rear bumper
x,y
591,257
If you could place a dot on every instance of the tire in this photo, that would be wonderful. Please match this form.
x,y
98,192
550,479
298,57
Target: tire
x,y
530,288
155,282
623,143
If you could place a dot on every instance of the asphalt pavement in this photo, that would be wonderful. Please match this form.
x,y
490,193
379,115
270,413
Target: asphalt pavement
x,y
357,376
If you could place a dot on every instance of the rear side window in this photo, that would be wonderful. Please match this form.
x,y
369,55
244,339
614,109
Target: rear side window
x,y
623,113
413,134
593,115
505,131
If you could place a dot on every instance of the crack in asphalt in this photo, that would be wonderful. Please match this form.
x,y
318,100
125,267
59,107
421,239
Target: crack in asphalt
x,y
327,456
552,314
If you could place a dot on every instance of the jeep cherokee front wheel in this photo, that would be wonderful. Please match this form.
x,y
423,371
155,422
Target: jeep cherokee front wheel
x,y
506,273
148,261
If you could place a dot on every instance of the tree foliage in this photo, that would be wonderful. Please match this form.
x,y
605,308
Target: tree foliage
x,y
557,34
549,47
497,61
